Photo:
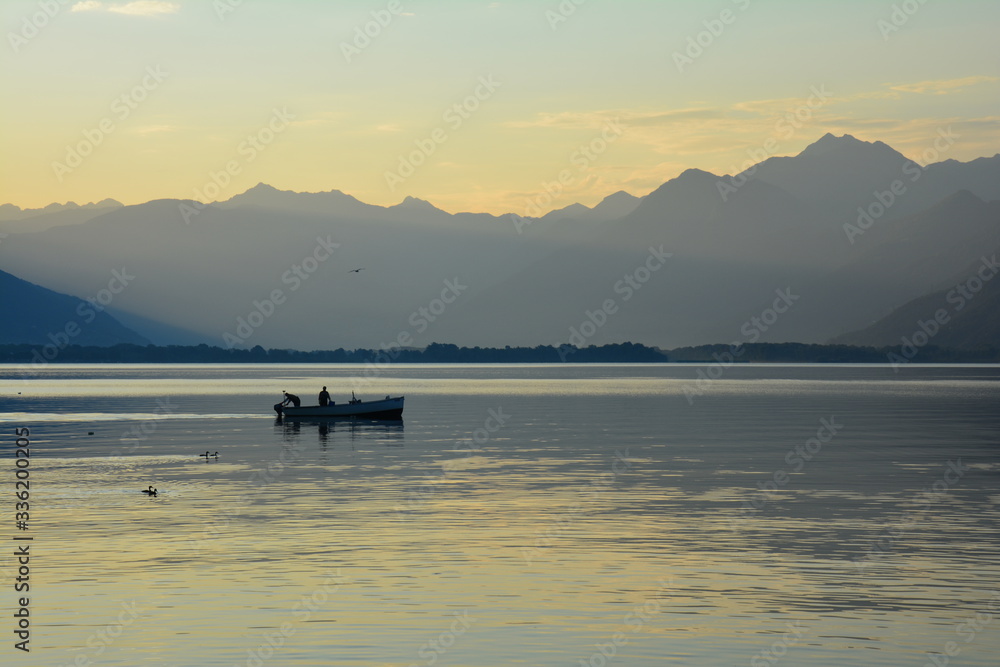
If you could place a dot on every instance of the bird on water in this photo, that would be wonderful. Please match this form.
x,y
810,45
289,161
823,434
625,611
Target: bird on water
x,y
206,455
150,491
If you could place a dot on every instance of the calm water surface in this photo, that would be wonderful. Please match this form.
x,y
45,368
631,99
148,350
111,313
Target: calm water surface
x,y
527,515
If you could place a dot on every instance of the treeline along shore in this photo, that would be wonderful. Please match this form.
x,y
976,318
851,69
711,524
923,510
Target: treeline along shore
x,y
442,353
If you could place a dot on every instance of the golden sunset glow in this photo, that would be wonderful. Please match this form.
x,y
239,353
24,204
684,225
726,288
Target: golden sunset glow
x,y
476,106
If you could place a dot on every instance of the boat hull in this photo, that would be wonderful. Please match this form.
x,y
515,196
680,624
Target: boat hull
x,y
389,408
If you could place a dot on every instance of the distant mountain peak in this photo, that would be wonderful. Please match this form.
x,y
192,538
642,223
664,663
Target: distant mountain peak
x,y
264,191
688,179
694,173
262,188
416,202
575,210
416,205
830,141
621,195
828,144
617,205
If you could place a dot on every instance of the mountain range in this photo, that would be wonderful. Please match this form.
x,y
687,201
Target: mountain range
x,y
835,243
40,316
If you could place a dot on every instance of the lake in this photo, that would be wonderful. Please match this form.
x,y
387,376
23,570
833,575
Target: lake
x,y
533,515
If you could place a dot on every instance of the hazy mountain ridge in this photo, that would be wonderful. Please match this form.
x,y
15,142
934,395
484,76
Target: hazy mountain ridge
x,y
39,316
898,261
533,281
964,315
13,220
614,206
12,212
841,174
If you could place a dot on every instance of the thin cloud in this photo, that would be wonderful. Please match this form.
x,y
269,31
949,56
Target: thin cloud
x,y
154,129
915,136
645,179
943,86
136,8
321,119
575,120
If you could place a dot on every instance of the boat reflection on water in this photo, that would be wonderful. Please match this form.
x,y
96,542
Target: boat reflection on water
x,y
389,431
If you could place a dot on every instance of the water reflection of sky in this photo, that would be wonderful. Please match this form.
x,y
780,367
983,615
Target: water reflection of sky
x,y
612,511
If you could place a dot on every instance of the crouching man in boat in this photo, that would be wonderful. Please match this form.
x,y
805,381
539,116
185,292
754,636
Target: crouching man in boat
x,y
291,398
324,397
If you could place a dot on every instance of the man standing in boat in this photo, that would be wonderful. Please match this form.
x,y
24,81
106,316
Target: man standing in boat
x,y
291,398
324,397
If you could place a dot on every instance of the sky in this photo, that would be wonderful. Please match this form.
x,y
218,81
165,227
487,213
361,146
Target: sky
x,y
474,106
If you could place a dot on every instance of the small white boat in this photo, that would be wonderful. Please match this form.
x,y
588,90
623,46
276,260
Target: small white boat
x,y
387,408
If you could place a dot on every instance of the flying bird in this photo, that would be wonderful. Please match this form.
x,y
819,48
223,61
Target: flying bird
x,y
357,270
